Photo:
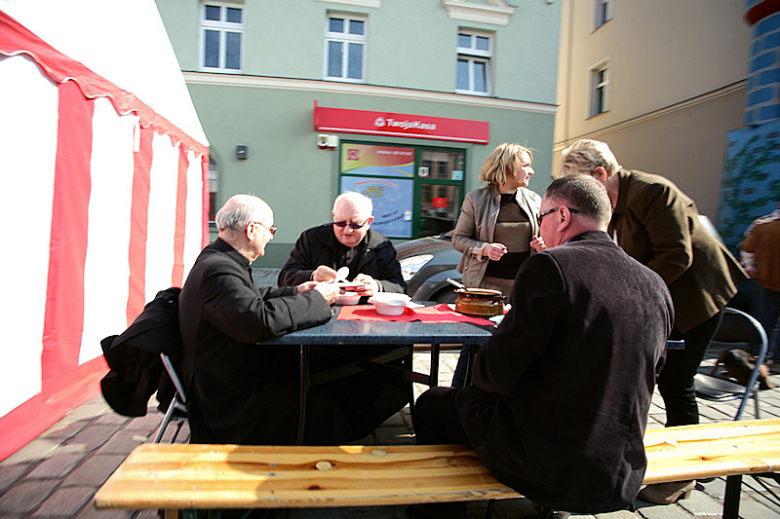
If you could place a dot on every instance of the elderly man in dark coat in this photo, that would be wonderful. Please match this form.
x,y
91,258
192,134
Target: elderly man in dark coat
x,y
558,404
348,242
240,391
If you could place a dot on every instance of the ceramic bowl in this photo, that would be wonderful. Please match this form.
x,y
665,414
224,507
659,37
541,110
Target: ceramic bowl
x,y
387,303
348,298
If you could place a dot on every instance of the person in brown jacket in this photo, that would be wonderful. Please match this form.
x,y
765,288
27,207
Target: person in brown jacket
x,y
760,254
658,224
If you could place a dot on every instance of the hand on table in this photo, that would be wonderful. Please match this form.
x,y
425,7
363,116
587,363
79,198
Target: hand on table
x,y
329,291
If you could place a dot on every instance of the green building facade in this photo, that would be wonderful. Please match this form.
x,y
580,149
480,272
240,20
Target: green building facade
x,y
402,100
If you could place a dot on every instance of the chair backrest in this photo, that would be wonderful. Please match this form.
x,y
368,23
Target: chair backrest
x,y
182,396
737,326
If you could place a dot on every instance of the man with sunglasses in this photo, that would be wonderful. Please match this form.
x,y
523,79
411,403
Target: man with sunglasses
x,y
239,391
558,403
370,397
347,242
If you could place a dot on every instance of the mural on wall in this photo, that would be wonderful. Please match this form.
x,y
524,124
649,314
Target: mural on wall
x,y
751,180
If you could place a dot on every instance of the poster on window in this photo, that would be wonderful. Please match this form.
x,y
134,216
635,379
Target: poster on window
x,y
392,199
367,159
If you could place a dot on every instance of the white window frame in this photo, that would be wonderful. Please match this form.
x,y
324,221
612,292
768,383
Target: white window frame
x,y
600,84
223,27
473,55
602,12
345,39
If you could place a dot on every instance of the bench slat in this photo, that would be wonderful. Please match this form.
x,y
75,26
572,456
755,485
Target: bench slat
x,y
181,476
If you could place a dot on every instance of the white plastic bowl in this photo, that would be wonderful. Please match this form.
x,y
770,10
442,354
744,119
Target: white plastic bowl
x,y
387,303
348,298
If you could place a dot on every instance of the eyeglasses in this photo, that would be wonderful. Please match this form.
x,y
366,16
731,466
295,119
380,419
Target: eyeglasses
x,y
271,228
545,213
353,226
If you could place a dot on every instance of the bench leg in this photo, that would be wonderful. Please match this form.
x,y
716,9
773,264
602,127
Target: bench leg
x,y
731,500
491,506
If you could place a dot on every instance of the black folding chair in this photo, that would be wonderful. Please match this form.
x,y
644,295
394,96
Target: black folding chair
x,y
177,410
737,327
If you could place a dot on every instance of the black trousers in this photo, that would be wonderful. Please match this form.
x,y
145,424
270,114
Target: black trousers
x,y
676,380
436,420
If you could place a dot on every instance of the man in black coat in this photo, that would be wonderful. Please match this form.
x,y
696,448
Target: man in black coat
x,y
370,397
240,391
348,242
560,395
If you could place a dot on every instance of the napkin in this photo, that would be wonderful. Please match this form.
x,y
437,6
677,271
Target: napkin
x,y
428,314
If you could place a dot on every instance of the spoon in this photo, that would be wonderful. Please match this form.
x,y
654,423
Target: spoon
x,y
456,283
341,274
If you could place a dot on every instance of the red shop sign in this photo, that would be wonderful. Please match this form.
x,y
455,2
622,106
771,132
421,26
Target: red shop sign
x,y
400,125
439,202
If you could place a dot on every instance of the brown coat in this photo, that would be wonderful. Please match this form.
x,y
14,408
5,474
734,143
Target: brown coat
x,y
658,224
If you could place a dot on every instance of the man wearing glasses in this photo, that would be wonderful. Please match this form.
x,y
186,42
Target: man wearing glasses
x,y
347,242
238,391
558,403
370,397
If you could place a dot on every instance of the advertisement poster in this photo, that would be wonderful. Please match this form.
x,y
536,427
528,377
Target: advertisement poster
x,y
392,200
387,161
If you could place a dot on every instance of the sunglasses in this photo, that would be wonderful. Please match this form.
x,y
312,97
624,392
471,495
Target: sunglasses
x,y
353,226
545,213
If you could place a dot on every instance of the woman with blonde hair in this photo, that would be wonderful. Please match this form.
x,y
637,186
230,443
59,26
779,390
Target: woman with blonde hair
x,y
496,225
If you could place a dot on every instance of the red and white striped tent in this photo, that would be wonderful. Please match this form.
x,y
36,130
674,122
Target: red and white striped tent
x,y
105,196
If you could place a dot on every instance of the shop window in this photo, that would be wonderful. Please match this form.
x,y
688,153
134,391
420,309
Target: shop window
x,y
221,32
213,182
345,46
416,191
475,51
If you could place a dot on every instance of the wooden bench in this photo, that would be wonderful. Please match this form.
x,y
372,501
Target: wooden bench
x,y
175,477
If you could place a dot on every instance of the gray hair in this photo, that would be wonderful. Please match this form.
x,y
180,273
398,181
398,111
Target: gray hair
x,y
584,193
585,155
239,211
361,203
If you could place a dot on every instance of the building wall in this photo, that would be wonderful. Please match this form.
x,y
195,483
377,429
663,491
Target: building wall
x,y
677,86
411,69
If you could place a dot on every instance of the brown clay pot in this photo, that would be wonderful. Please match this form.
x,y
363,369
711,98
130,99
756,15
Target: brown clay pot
x,y
480,302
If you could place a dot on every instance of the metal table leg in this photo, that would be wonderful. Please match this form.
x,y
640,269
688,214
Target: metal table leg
x,y
731,499
303,395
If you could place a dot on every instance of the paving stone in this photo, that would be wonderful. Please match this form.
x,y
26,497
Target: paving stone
x,y
93,437
34,451
26,496
90,512
146,424
95,470
749,509
65,502
123,442
56,467
700,504
651,511
10,474
63,429
112,418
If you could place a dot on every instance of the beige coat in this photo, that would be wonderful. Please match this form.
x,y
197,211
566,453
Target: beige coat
x,y
476,224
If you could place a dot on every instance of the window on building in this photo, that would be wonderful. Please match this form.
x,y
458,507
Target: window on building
x,y
221,34
345,48
474,53
599,89
603,12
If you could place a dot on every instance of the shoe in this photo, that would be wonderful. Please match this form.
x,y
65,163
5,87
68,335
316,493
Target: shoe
x,y
667,493
548,513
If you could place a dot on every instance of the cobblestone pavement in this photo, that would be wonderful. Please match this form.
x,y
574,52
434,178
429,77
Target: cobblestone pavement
x,y
57,473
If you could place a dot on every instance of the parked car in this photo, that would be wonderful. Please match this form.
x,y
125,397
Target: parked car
x,y
426,263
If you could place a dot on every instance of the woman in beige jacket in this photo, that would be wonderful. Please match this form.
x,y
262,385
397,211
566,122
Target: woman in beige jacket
x,y
496,225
